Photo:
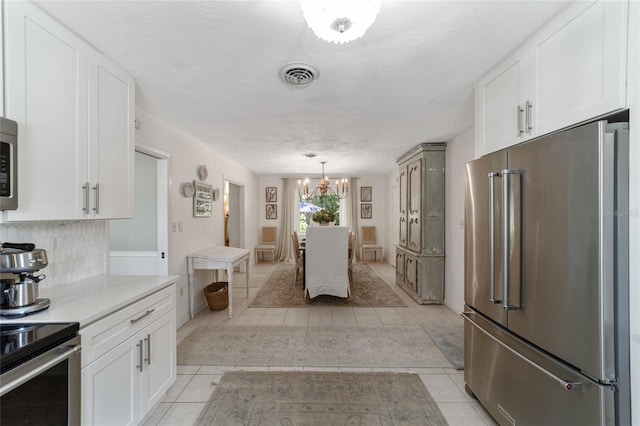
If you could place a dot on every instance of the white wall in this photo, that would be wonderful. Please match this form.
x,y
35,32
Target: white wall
x,y
459,150
193,234
392,183
262,205
379,211
379,203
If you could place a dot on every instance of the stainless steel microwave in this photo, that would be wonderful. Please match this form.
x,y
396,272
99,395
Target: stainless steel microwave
x,y
8,164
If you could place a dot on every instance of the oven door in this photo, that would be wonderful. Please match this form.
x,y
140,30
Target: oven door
x,y
45,389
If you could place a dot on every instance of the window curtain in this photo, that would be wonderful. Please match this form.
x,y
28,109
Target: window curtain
x,y
352,210
288,221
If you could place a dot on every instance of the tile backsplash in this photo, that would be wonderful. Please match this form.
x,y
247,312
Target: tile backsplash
x,y
75,249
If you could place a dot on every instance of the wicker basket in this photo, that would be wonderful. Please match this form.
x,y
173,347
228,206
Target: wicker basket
x,y
217,295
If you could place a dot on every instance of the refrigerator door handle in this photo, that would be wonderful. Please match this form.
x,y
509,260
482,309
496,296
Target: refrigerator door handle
x,y
570,386
507,234
492,237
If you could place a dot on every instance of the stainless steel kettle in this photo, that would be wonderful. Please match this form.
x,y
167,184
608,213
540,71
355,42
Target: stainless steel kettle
x,y
21,294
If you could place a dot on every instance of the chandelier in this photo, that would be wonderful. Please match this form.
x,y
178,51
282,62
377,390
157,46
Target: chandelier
x,y
340,21
323,189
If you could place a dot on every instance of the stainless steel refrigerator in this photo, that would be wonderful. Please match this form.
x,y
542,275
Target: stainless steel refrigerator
x,y
546,279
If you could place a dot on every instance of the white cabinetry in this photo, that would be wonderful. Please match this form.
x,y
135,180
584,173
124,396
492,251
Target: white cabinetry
x,y
580,65
129,361
572,70
111,140
501,98
74,110
109,388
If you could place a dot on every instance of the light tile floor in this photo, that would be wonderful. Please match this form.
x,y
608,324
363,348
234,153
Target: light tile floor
x,y
194,384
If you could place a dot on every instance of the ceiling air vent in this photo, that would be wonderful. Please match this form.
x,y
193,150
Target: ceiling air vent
x,y
298,74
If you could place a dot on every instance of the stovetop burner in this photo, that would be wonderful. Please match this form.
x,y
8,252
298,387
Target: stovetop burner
x,y
21,311
19,342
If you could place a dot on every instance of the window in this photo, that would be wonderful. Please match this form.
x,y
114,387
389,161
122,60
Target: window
x,y
308,208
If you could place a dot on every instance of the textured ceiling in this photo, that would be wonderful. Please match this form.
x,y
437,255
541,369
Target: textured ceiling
x,y
210,68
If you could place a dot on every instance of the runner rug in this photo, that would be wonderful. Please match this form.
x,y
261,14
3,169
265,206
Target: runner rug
x,y
389,346
320,398
367,290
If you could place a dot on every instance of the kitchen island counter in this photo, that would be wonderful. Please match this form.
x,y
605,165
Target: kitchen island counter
x,y
89,300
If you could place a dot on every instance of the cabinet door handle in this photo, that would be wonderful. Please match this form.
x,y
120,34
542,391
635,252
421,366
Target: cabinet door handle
x,y
149,312
519,112
97,207
139,346
86,187
528,106
148,340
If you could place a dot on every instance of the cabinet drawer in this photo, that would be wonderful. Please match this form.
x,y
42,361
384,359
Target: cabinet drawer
x,y
103,335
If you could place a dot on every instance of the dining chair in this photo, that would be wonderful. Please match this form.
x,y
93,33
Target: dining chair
x,y
267,243
296,249
370,243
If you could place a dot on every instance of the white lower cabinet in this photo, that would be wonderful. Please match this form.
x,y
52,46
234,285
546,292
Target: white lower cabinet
x,y
108,388
129,361
159,361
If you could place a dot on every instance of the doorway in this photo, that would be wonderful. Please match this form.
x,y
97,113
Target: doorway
x,y
139,246
233,214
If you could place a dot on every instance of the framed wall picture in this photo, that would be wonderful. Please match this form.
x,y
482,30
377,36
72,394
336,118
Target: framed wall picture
x,y
271,194
365,194
272,211
365,211
202,198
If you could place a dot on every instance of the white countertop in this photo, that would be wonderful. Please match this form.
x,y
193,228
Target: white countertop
x,y
88,300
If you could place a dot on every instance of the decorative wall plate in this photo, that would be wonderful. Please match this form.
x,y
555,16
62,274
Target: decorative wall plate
x,y
188,189
203,172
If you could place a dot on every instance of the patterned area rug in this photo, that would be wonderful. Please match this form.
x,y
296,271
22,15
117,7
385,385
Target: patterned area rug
x,y
367,290
450,340
390,346
316,398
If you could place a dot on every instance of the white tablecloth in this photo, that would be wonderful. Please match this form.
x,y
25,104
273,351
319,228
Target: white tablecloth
x,y
326,261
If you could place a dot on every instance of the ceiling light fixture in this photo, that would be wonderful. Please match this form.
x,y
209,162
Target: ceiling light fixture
x,y
323,189
340,21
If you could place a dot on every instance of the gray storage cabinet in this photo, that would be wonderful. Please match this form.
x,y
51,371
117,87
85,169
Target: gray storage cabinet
x,y
420,252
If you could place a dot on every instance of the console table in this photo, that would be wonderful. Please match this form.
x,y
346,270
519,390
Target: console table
x,y
214,258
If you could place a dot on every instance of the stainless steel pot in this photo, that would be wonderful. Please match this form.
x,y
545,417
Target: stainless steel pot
x,y
17,258
21,294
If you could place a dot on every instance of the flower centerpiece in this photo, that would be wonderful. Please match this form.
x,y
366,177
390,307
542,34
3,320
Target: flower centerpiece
x,y
323,216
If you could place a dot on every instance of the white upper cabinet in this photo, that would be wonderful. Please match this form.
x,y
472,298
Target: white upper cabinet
x,y
111,140
501,102
74,110
48,99
572,70
579,65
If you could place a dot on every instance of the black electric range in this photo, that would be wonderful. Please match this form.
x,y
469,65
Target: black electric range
x,y
20,342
